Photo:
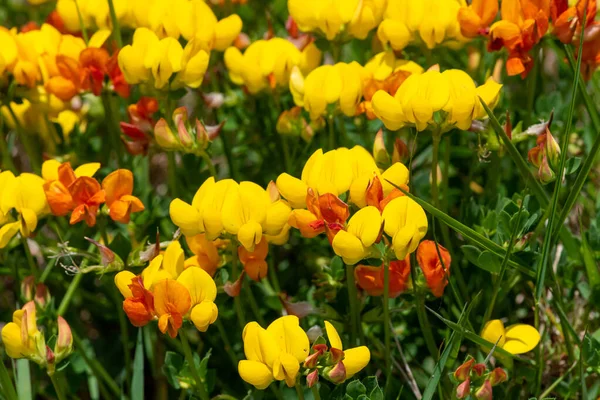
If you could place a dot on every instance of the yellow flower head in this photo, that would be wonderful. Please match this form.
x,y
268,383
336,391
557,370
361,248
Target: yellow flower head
x,y
406,223
25,195
516,339
355,359
328,88
21,337
268,63
433,22
354,243
435,100
274,353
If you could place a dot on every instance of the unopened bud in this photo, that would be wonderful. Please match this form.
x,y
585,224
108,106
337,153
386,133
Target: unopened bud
x,y
462,373
27,288
312,378
233,289
164,136
106,254
479,369
64,342
552,149
497,376
42,295
337,355
338,373
485,391
380,153
50,361
401,152
463,390
312,360
545,172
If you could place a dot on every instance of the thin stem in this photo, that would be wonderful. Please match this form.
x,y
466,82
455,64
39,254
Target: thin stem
x,y
554,384
227,150
434,169
253,304
273,275
172,174
331,133
124,334
115,24
64,304
315,391
299,391
226,342
239,311
209,164
81,24
30,260
352,300
421,314
7,161
112,120
190,360
57,388
25,139
387,323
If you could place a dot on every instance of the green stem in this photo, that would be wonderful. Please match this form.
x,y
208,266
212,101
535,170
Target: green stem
x,y
228,155
7,161
273,275
253,304
239,311
172,174
352,299
8,389
57,388
286,153
226,342
386,323
331,132
30,260
124,333
315,392
112,121
81,24
434,169
25,139
299,391
115,24
421,314
209,164
190,360
64,304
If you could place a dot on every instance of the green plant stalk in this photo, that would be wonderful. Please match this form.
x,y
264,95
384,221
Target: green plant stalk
x,y
190,360
112,119
353,302
299,391
57,388
115,24
47,270
7,161
237,304
97,368
209,164
84,33
253,304
435,200
8,389
226,342
124,334
228,156
387,323
172,174
590,263
421,315
30,260
23,379
64,304
331,132
315,392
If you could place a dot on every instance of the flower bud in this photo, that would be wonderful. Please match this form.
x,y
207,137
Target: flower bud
x,y
233,289
401,152
312,360
50,361
27,288
64,341
337,355
479,369
485,391
497,376
312,378
106,254
462,373
42,295
463,390
164,136
338,373
552,149
380,153
545,172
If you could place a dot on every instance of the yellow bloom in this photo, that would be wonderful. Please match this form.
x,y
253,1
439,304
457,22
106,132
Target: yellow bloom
x,y
516,339
384,64
335,87
268,63
274,353
420,97
354,243
355,359
24,194
21,337
432,21
406,223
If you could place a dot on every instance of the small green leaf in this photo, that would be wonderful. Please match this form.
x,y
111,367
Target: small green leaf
x,y
572,165
591,351
355,389
483,259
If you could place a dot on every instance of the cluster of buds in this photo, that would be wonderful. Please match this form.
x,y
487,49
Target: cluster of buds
x,y
545,155
39,293
188,138
326,362
292,123
382,156
475,380
23,339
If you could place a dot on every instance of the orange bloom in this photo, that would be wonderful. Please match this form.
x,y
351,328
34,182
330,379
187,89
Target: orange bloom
x,y
171,302
140,307
87,197
523,24
118,186
254,261
57,191
431,264
370,279
568,20
476,18
325,213
375,196
206,253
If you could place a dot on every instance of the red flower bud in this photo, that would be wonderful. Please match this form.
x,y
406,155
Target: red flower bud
x,y
497,376
338,373
42,295
485,391
479,369
64,342
462,373
463,390
337,355
27,288
312,378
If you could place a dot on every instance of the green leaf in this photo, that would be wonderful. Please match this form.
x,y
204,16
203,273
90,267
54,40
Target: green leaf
x,y
23,379
355,389
173,364
572,165
137,382
483,259
591,351
8,389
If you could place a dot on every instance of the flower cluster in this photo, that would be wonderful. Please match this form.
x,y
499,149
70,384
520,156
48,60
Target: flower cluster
x,y
170,292
244,211
282,352
78,193
474,379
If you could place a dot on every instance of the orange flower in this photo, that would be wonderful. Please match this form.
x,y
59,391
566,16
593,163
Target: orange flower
x,y
206,254
118,186
87,197
57,192
375,197
371,279
325,213
475,19
435,273
171,302
140,125
568,20
254,261
140,306
523,24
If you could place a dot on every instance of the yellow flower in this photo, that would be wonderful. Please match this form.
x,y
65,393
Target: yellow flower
x,y
335,87
274,353
516,339
337,17
384,64
24,194
21,337
434,21
8,52
354,243
451,93
268,63
355,359
94,13
406,223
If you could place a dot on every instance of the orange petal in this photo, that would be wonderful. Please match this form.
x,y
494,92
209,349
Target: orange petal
x,y
430,263
169,293
59,198
136,312
117,184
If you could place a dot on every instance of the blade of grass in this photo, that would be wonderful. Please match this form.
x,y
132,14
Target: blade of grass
x,y
8,389
23,379
469,233
137,383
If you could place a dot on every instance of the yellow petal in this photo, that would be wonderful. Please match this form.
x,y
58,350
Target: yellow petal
x,y
395,33
489,92
7,232
87,169
255,373
292,189
50,170
11,338
333,336
521,338
185,217
356,359
99,37
204,314
226,31
286,367
388,110
349,247
290,337
396,174
260,345
366,225
29,221
199,283
173,259
358,190
278,214
122,281
493,332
